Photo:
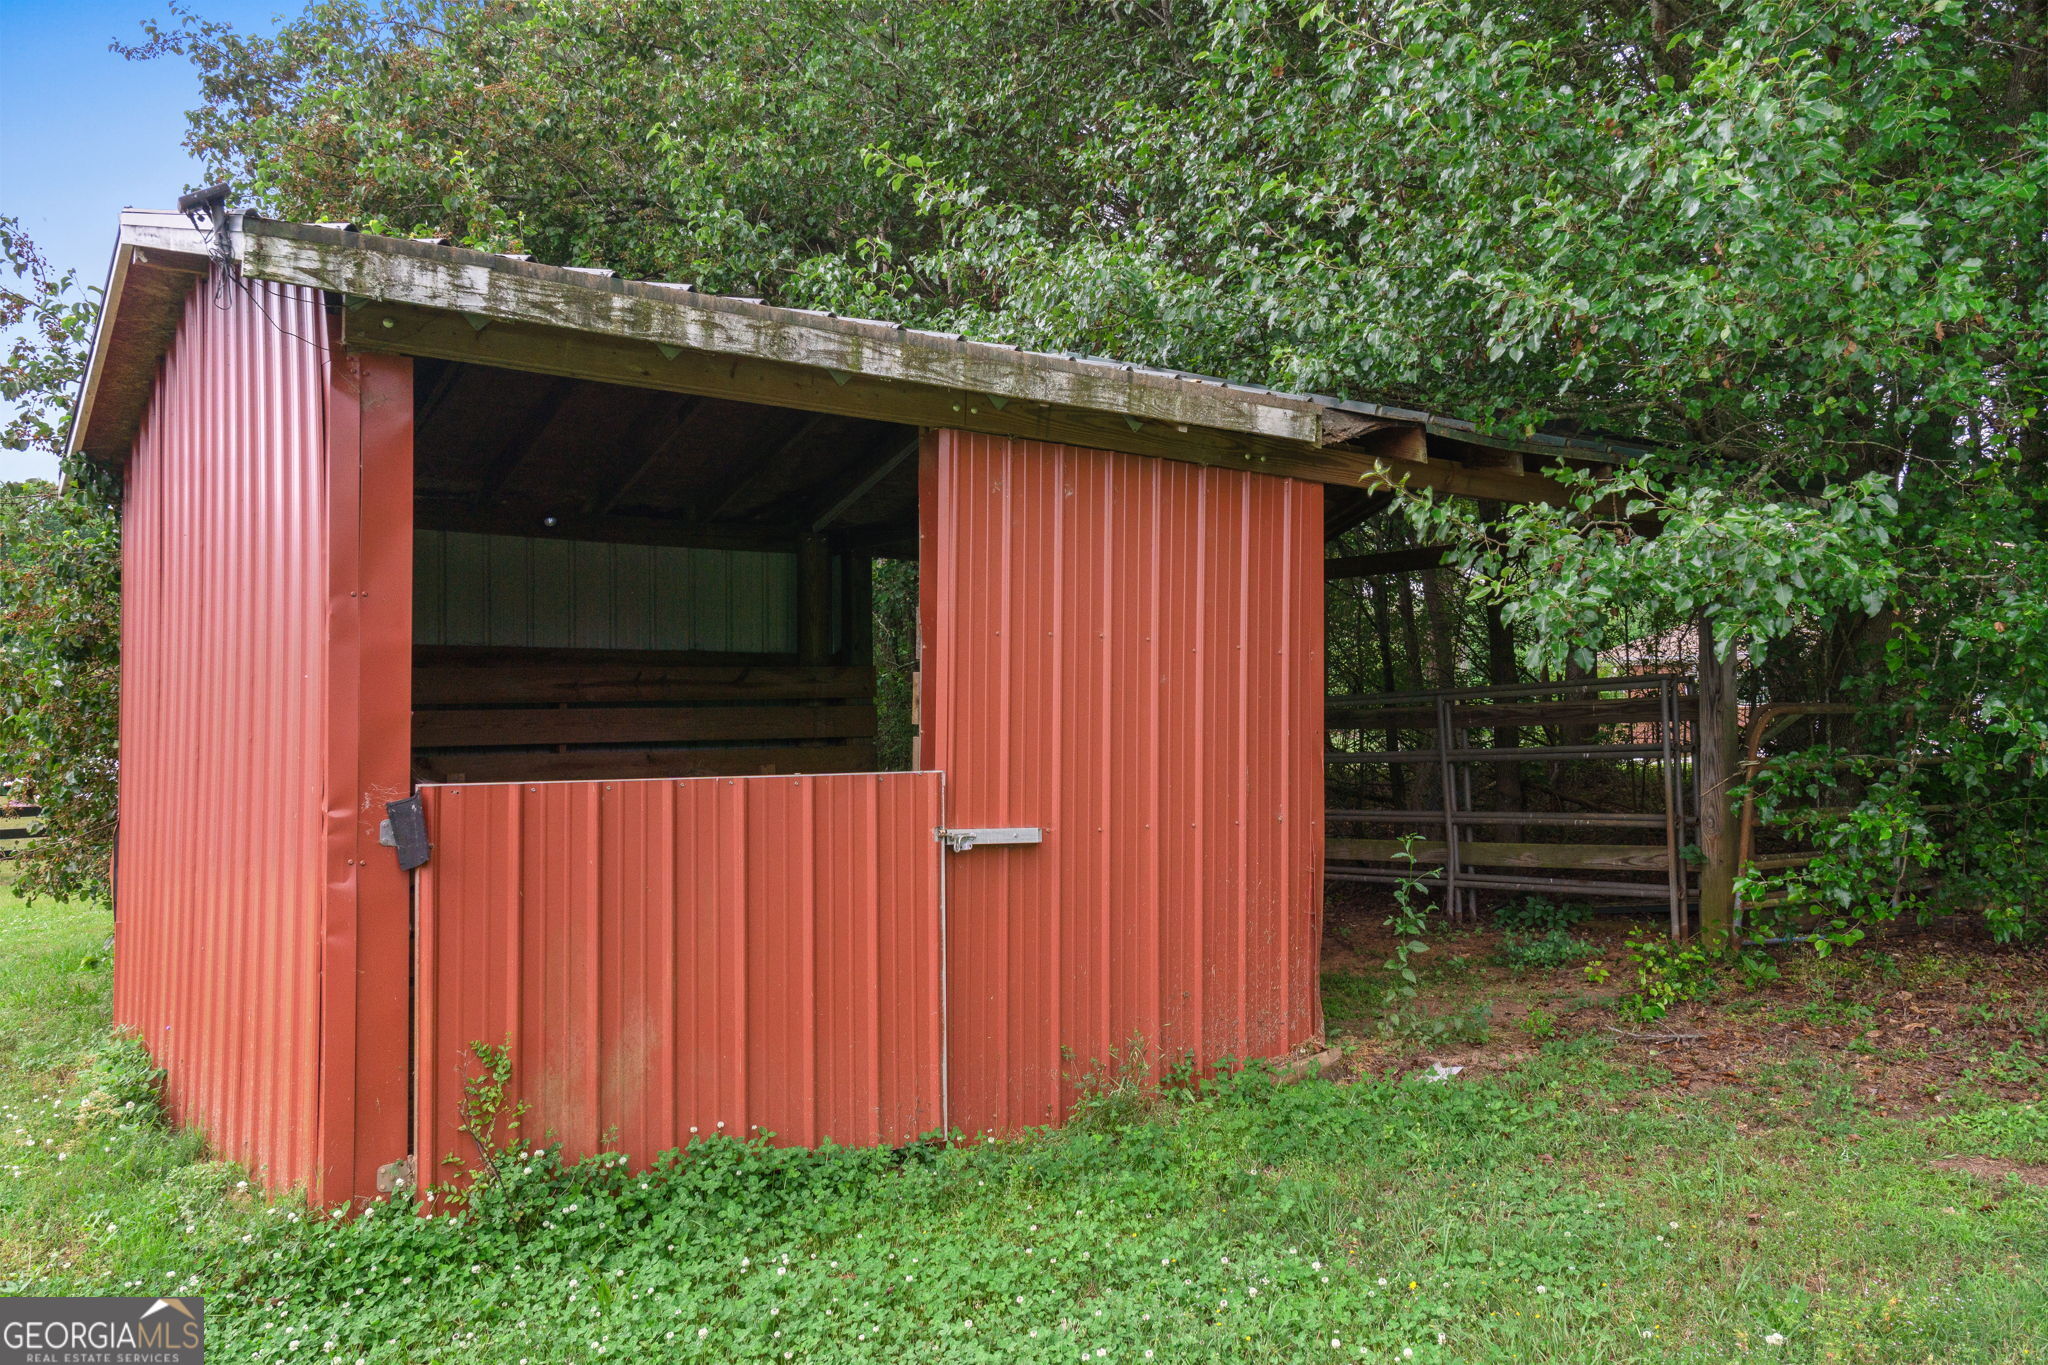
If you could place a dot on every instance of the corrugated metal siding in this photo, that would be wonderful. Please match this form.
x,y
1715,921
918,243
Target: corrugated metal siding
x,y
473,589
365,979
254,530
670,959
1127,652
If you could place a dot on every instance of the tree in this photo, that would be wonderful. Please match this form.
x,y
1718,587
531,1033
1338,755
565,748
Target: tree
x,y
1797,243
59,594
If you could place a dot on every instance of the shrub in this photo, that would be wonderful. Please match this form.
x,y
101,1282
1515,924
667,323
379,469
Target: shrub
x,y
1540,915
1557,948
1666,974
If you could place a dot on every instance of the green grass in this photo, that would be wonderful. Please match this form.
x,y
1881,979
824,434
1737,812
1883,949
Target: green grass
x,y
1565,1212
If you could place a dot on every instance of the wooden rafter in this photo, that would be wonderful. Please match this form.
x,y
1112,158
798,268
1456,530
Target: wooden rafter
x,y
665,439
499,476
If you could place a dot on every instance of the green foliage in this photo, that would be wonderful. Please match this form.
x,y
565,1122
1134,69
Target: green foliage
x,y
1399,1012
1544,951
50,319
489,1117
2016,1132
1666,974
1539,1023
1539,914
59,592
59,678
1380,1214
1795,242
121,1087
895,645
1759,567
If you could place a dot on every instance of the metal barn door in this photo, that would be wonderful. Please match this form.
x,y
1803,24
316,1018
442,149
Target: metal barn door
x,y
1125,655
678,958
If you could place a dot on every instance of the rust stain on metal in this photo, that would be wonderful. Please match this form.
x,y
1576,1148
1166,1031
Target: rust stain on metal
x,y
1127,653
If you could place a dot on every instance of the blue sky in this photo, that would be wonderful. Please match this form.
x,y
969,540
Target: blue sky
x,y
85,133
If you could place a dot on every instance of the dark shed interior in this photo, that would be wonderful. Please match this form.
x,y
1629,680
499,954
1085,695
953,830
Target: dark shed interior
x,y
622,582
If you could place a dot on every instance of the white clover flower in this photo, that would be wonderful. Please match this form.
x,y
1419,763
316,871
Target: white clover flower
x,y
1775,1339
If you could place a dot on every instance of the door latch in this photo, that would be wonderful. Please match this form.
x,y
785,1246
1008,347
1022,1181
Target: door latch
x,y
960,840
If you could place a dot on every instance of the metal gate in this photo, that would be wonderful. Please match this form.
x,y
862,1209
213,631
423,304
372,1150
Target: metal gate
x,y
671,959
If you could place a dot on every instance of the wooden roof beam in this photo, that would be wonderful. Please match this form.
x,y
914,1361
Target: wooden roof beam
x,y
839,501
670,432
749,478
539,349
1412,560
516,452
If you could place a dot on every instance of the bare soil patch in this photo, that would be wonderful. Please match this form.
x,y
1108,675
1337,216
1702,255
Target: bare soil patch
x,y
1903,1022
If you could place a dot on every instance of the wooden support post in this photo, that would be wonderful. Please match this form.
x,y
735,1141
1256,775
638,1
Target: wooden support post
x,y
860,608
813,600
1717,745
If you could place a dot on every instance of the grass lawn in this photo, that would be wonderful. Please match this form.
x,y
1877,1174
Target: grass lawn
x,y
1570,1197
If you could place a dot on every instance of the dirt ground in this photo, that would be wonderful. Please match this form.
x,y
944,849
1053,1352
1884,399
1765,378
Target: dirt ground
x,y
1902,1022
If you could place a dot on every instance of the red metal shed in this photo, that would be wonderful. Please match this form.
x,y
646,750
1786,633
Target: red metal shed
x,y
587,565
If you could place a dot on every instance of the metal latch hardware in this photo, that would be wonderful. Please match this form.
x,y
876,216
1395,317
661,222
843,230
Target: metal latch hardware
x,y
405,829
960,840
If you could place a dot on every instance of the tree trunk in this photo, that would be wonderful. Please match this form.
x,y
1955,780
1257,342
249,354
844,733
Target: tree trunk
x,y
1429,789
1717,778
1503,671
1443,629
1383,631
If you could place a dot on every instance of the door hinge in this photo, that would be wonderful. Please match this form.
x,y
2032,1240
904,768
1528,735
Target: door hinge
x,y
396,1176
960,840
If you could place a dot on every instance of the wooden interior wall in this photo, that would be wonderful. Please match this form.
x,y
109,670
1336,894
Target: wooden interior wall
x,y
484,714
534,592
540,659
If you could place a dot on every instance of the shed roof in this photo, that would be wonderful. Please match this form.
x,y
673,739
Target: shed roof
x,y
433,299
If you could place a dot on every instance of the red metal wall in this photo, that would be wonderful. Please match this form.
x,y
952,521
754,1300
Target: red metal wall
x,y
679,958
1127,652
260,948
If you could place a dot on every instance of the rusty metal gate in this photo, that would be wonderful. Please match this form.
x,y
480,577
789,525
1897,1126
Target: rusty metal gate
x,y
679,958
1646,722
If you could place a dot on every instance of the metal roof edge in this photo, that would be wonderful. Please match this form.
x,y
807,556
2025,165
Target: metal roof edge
x,y
671,314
